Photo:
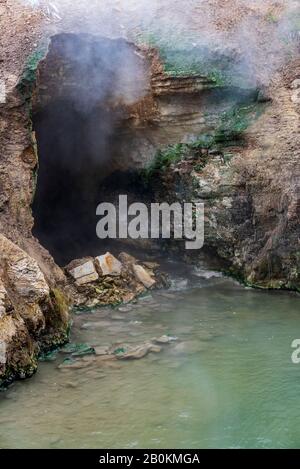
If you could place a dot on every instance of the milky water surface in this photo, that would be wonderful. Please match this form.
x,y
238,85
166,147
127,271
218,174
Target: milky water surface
x,y
227,382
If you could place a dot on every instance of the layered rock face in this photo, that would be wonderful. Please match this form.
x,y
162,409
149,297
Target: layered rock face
x,y
247,174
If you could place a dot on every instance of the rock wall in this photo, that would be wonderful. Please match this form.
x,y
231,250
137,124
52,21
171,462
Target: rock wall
x,y
250,185
33,316
251,190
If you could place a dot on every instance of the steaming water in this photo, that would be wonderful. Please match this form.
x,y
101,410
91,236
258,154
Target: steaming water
x,y
227,382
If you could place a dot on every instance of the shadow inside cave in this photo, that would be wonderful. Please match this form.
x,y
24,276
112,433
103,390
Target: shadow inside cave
x,y
81,109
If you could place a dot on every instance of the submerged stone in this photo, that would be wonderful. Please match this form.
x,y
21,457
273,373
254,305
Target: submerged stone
x,y
101,350
132,352
67,362
125,309
129,351
49,356
71,384
71,362
189,347
77,350
96,324
165,339
118,317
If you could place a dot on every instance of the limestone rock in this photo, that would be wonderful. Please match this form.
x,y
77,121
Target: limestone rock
x,y
262,178
3,297
23,272
96,324
86,279
78,262
84,273
17,357
165,339
71,363
109,265
78,350
129,351
143,276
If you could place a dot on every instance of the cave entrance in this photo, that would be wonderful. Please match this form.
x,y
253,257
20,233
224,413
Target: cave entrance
x,y
86,93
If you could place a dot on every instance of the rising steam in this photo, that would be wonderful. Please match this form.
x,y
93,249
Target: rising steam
x,y
259,31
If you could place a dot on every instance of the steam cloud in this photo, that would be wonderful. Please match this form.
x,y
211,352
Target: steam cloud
x,y
258,30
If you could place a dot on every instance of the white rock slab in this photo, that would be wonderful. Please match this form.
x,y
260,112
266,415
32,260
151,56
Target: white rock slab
x,y
84,273
109,265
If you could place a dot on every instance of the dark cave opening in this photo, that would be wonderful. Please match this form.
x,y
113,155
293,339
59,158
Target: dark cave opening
x,y
86,88
77,158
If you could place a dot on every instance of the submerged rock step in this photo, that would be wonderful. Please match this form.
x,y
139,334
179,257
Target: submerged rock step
x,y
82,355
135,352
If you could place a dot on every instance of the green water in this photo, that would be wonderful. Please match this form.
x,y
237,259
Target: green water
x,y
228,382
